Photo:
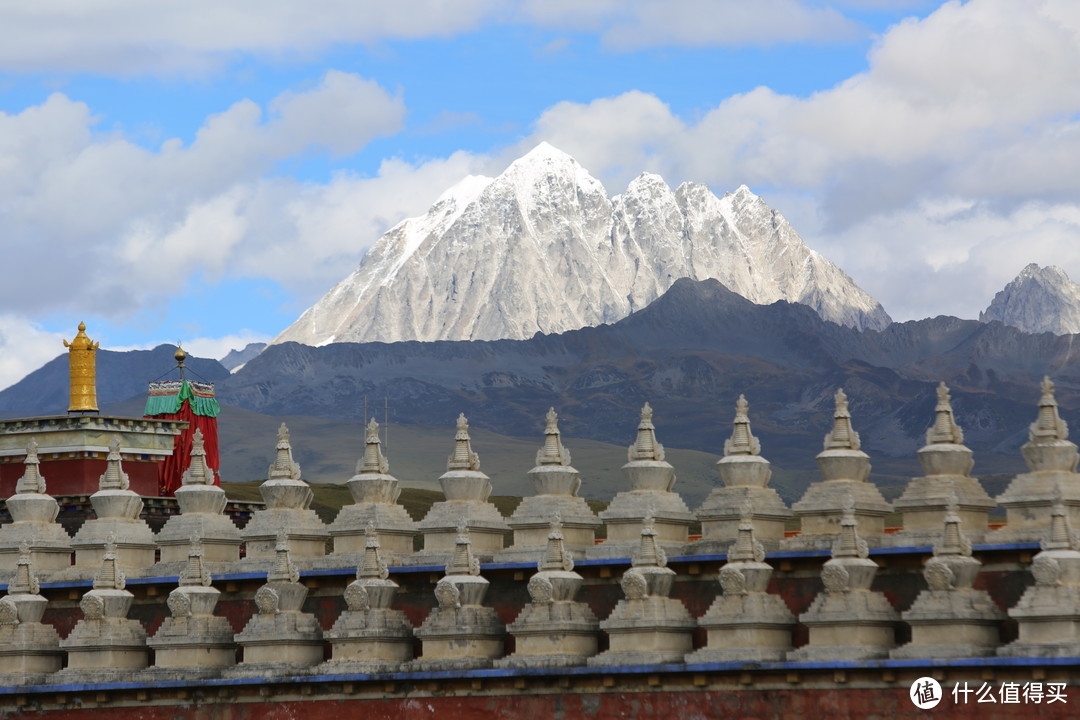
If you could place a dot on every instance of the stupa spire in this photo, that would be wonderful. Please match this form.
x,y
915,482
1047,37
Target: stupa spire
x,y
953,542
32,481
646,447
556,556
373,461
944,429
746,548
463,457
114,477
109,576
1061,534
463,562
195,573
1049,425
848,544
842,437
650,553
24,582
284,467
198,472
553,452
372,565
283,570
742,441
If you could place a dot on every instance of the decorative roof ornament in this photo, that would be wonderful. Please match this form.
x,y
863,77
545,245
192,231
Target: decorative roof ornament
x,y
114,477
742,441
283,570
284,467
954,542
372,565
109,576
198,472
746,547
373,461
556,556
646,447
1061,534
32,481
1048,426
463,562
25,581
195,573
944,430
842,436
463,457
82,372
650,553
553,452
848,544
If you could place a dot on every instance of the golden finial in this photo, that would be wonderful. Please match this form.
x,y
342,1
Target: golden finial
x,y
82,372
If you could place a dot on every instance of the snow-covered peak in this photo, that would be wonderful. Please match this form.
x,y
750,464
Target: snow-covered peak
x,y
1040,299
542,248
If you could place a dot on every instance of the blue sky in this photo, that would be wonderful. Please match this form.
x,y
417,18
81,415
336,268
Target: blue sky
x,y
204,173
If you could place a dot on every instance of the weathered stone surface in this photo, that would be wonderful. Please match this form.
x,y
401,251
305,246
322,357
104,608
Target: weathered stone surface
x,y
1048,614
33,521
946,464
117,508
745,475
848,621
375,492
460,633
287,499
1051,459
202,505
650,478
28,647
370,636
845,468
746,622
467,491
950,618
553,630
556,484
647,626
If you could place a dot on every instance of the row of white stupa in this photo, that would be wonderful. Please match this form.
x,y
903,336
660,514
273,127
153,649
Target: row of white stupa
x,y
847,621
946,462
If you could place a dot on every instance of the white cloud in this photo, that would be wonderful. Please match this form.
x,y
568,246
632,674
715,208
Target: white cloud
x,y
124,37
24,347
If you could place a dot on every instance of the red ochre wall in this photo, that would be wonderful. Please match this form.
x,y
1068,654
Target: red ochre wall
x,y
794,704
81,475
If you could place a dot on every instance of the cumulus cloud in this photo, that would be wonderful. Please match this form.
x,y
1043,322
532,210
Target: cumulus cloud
x,y
974,107
24,347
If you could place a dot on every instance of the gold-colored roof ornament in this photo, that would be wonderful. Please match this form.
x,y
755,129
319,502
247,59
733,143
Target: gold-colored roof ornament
x,y
83,372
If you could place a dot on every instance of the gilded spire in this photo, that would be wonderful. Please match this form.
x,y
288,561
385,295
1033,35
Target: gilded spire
x,y
646,447
462,562
553,452
742,441
556,556
198,472
82,372
944,429
114,477
1049,425
372,565
32,481
373,461
109,576
463,457
746,547
848,544
24,582
842,437
649,553
953,542
195,573
283,570
284,467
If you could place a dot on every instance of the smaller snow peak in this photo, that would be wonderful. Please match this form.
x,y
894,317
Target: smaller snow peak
x,y
647,183
545,152
1050,273
1040,299
465,190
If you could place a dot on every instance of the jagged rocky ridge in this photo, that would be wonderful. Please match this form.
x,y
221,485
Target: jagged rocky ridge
x,y
1040,299
542,248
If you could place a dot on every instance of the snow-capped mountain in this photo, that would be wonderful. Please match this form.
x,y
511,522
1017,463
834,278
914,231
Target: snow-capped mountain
x,y
542,248
1040,299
